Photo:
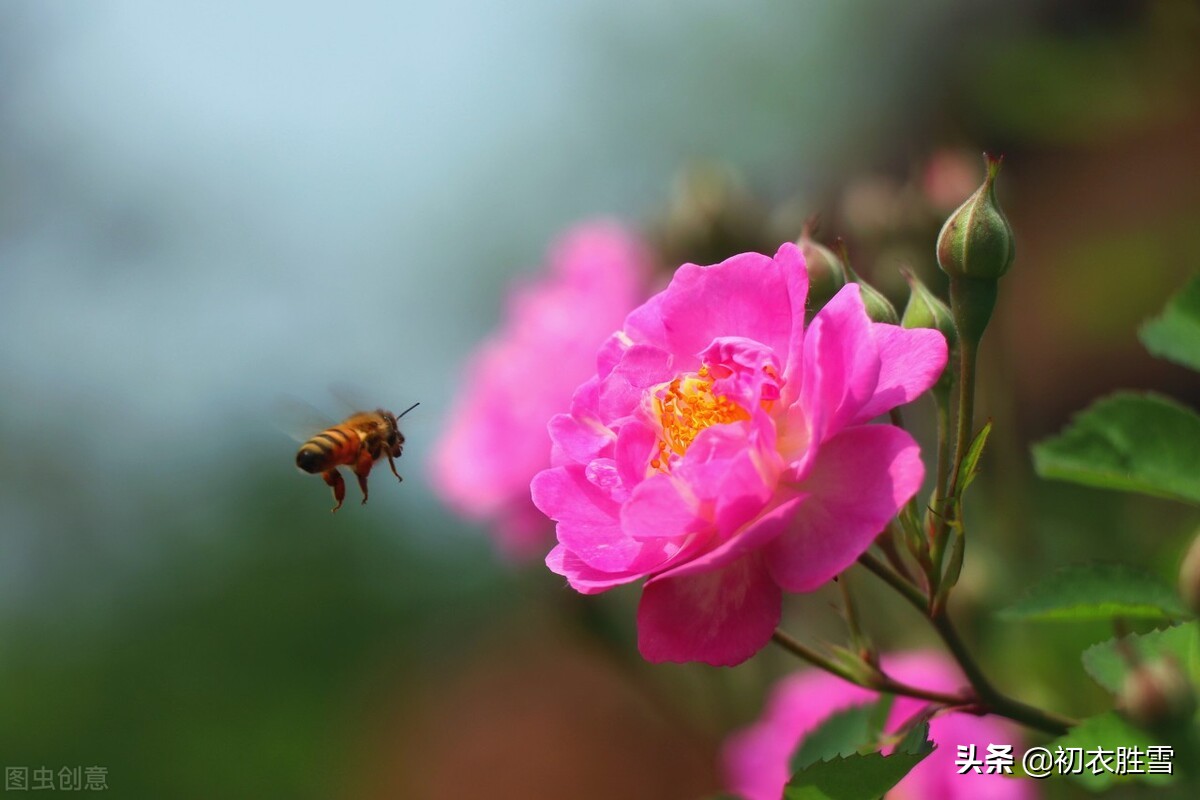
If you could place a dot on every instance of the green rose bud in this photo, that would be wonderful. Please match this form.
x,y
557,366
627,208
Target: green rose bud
x,y
975,248
1157,693
977,241
826,275
1189,577
926,310
878,307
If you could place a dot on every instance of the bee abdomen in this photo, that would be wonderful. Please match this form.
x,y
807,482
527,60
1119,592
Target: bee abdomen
x,y
328,449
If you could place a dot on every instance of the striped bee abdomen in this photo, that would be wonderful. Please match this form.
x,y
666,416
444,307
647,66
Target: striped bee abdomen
x,y
328,449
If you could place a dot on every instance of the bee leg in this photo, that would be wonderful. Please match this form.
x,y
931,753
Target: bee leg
x,y
362,468
392,464
334,479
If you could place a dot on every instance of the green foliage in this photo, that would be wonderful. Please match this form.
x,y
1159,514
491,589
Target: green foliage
x,y
843,733
1108,731
1096,591
1135,442
916,741
860,776
1107,665
970,463
1132,442
879,716
1175,334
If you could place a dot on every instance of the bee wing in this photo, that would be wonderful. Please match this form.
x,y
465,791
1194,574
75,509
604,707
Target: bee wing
x,y
349,398
299,420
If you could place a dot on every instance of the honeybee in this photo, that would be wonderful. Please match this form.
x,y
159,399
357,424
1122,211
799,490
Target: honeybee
x,y
357,442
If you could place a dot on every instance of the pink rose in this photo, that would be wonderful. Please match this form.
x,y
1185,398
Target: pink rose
x,y
722,452
756,760
496,440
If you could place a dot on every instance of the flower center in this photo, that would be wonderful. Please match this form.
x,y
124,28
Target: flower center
x,y
686,406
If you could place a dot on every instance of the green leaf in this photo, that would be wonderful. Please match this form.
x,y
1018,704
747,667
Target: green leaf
x,y
855,777
916,742
1106,664
1175,334
1131,442
1097,591
842,733
970,463
954,562
879,716
1108,731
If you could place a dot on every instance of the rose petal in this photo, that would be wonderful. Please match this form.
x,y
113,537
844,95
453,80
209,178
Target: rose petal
x,y
579,439
636,445
583,578
841,364
746,295
745,371
721,617
662,507
911,361
769,524
640,368
860,479
791,264
733,469
587,516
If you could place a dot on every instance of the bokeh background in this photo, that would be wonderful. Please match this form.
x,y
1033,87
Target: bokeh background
x,y
207,207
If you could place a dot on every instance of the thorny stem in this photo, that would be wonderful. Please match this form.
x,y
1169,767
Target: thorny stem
x,y
798,648
967,351
984,697
942,403
861,645
937,543
897,418
911,593
880,683
988,699
887,543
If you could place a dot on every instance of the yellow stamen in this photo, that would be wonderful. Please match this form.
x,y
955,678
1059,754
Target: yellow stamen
x,y
686,406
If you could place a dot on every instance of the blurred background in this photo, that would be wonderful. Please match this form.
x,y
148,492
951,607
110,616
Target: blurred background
x,y
205,207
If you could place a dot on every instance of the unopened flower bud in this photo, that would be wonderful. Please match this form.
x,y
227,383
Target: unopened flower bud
x,y
879,308
926,310
1157,693
977,241
826,275
975,248
1189,577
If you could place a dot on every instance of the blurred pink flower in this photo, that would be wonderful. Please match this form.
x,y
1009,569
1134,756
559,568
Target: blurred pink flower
x,y
496,440
756,760
721,451
950,177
